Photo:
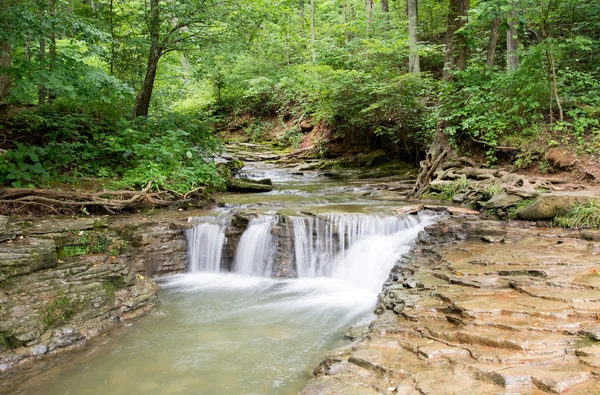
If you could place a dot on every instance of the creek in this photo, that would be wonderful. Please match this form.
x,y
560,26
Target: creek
x,y
241,331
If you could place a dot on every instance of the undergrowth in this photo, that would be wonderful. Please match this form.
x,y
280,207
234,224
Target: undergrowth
x,y
583,215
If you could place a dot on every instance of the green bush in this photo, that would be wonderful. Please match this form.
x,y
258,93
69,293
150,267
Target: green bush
x,y
584,215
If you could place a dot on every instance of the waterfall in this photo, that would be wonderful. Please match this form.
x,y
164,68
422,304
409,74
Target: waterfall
x,y
205,246
360,249
256,250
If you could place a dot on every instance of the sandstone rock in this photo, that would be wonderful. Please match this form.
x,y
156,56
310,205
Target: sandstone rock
x,y
502,200
547,205
405,210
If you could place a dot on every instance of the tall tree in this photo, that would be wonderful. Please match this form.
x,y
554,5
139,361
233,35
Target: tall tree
x,y
174,26
455,55
512,42
413,57
492,43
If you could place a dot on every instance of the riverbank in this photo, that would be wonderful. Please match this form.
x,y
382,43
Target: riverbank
x,y
481,307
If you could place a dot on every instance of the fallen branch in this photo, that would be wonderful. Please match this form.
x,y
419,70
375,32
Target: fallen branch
x,y
110,201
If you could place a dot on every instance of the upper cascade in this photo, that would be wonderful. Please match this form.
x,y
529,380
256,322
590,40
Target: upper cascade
x,y
357,248
256,250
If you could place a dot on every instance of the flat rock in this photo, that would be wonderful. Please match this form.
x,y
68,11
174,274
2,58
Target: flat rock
x,y
502,200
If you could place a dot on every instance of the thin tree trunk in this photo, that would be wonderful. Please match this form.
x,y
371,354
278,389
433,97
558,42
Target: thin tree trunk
x,y
142,101
554,85
52,48
5,62
512,44
313,38
301,16
385,6
112,37
42,91
346,20
413,57
369,11
491,52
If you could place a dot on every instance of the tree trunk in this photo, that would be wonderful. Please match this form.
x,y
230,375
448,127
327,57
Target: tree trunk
x,y
455,56
456,49
512,45
5,80
301,16
52,49
491,52
313,38
346,21
385,6
413,57
369,11
142,101
42,91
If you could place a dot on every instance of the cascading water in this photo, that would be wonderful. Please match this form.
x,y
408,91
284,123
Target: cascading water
x,y
205,245
255,252
360,249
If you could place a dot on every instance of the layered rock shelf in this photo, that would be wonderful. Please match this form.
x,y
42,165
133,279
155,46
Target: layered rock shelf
x,y
64,280
480,308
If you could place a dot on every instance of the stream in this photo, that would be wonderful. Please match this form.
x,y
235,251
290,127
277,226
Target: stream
x,y
243,332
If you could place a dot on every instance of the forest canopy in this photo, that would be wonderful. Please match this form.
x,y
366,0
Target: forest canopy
x,y
130,91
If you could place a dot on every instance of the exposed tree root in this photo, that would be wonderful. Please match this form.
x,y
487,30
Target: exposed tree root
x,y
108,201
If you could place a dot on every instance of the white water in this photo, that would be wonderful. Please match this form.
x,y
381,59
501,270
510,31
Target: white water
x,y
205,246
356,248
255,251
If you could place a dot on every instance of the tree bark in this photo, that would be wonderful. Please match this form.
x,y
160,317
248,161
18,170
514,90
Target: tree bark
x,y
456,49
301,16
42,90
5,62
142,101
385,6
369,10
491,52
413,57
512,44
313,38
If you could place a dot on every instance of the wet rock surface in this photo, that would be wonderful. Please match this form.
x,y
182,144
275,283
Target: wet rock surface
x,y
481,308
65,280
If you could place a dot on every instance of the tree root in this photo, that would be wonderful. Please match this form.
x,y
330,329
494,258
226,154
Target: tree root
x,y
108,201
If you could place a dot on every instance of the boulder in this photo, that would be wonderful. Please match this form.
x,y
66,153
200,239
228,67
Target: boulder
x,y
236,185
547,205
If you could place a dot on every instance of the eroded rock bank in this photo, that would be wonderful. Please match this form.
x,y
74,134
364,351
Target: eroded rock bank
x,y
65,280
480,307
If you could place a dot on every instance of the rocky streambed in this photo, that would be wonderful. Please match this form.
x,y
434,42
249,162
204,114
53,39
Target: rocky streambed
x,y
476,306
480,307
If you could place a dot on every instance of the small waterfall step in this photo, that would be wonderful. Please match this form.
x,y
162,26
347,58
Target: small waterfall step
x,y
256,249
205,244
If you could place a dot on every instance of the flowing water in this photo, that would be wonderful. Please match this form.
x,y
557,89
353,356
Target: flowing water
x,y
244,332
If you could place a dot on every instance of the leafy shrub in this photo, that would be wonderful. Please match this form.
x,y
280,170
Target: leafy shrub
x,y
21,167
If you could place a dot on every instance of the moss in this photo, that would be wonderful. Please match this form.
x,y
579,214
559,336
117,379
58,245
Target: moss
x,y
8,342
513,210
60,310
69,251
112,286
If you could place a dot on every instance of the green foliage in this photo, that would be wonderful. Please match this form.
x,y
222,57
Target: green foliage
x,y
21,167
583,215
70,251
457,186
490,192
292,137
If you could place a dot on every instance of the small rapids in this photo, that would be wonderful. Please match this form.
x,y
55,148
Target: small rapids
x,y
243,332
